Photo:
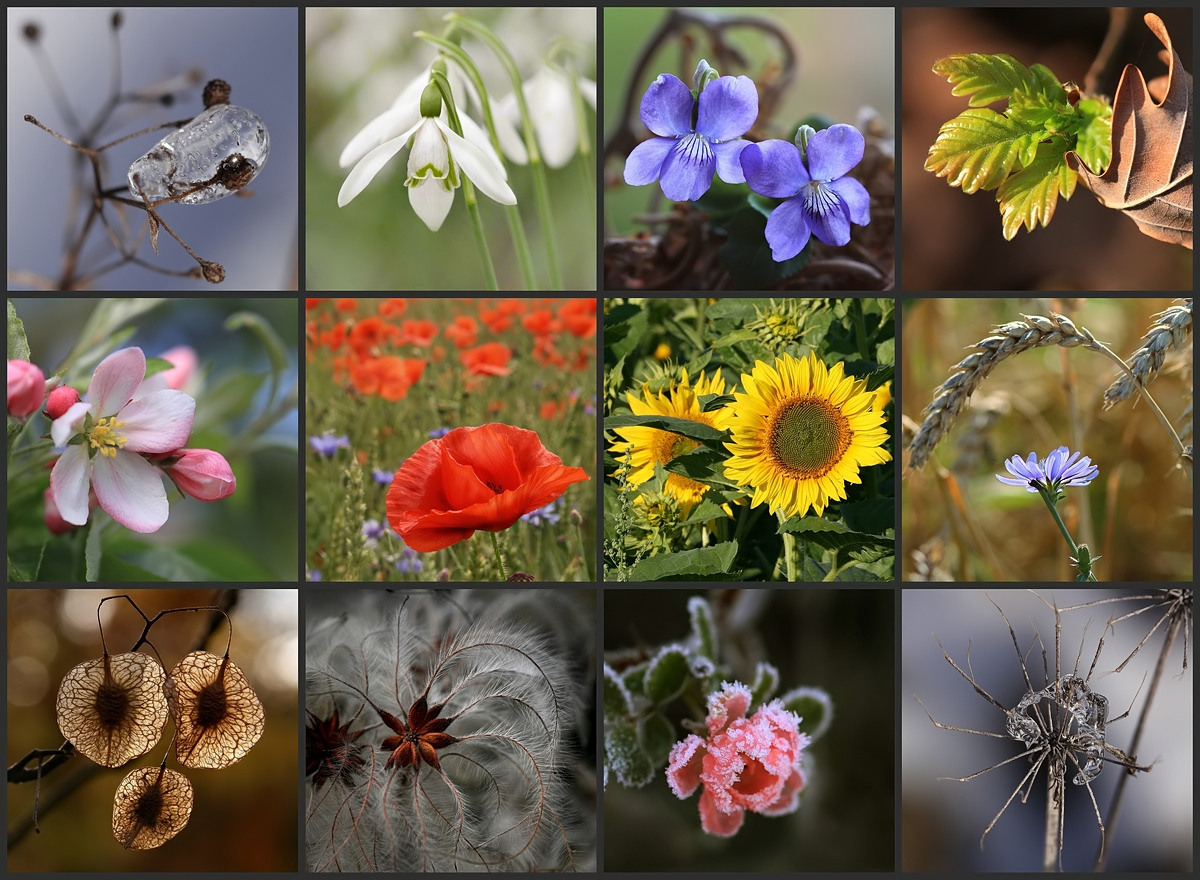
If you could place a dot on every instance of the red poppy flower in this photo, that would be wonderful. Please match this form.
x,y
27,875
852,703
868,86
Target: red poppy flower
x,y
482,478
489,359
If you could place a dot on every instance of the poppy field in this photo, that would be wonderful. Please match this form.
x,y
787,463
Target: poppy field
x,y
748,439
450,439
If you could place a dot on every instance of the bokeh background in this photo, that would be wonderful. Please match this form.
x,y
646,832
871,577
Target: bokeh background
x,y
253,49
839,640
244,817
845,61
252,534
357,62
953,241
943,820
1137,513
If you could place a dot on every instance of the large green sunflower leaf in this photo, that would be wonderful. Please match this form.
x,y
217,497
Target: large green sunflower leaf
x,y
697,431
831,535
979,148
699,564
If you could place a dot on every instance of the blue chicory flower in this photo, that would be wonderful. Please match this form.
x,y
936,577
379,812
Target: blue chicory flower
x,y
327,444
696,136
821,199
1059,468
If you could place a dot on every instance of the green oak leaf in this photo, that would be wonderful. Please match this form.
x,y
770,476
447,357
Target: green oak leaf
x,y
979,148
1030,196
990,78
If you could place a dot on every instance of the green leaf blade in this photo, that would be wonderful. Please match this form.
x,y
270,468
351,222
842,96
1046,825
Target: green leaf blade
x,y
986,78
978,149
1030,196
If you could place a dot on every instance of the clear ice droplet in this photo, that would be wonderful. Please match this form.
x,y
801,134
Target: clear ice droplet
x,y
207,147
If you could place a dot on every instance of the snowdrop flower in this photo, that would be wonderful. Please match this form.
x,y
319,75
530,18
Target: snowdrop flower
x,y
821,199
119,421
438,160
696,135
549,94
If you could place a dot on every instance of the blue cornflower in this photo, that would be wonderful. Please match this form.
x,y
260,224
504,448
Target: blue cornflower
x,y
1056,470
372,531
382,477
439,433
409,562
327,444
696,135
543,515
821,200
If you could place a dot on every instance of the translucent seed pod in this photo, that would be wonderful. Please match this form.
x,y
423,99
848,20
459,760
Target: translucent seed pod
x,y
113,709
217,715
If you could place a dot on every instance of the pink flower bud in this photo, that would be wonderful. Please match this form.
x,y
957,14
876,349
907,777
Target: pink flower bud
x,y
183,361
26,388
61,399
201,473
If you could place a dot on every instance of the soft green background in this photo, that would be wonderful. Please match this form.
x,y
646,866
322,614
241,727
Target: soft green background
x,y
845,61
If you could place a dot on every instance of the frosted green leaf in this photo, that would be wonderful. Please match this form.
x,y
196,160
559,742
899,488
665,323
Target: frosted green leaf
x,y
624,756
766,679
617,702
657,735
815,708
667,674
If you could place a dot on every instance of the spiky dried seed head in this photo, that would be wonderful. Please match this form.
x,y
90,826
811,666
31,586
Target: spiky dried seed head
x,y
217,715
152,805
112,709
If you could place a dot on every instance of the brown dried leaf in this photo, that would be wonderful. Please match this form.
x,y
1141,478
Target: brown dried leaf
x,y
217,715
113,709
151,806
1150,177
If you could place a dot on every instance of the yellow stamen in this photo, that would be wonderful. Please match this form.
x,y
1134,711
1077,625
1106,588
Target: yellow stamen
x,y
105,438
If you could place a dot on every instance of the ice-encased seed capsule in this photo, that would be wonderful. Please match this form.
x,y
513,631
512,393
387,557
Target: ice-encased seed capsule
x,y
224,148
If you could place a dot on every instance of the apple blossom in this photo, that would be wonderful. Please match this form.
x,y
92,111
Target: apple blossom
x,y
26,388
109,431
201,473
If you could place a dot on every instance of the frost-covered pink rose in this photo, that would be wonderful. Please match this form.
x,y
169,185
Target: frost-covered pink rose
x,y
745,764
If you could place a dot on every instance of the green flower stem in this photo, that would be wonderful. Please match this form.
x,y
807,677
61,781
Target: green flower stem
x,y
489,271
583,556
790,549
536,167
512,213
1052,505
860,328
499,560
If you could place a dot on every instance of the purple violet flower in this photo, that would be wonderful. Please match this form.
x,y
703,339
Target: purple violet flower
x,y
821,199
696,135
327,444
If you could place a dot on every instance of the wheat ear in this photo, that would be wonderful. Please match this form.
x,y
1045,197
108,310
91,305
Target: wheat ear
x,y
1005,341
1170,332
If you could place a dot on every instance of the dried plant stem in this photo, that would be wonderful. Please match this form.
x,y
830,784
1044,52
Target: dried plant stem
x,y
1056,791
1118,796
1005,341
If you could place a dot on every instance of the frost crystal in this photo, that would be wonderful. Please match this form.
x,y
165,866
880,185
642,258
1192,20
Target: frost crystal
x,y
225,142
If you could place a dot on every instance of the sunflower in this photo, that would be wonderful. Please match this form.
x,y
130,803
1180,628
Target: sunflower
x,y
640,449
801,432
